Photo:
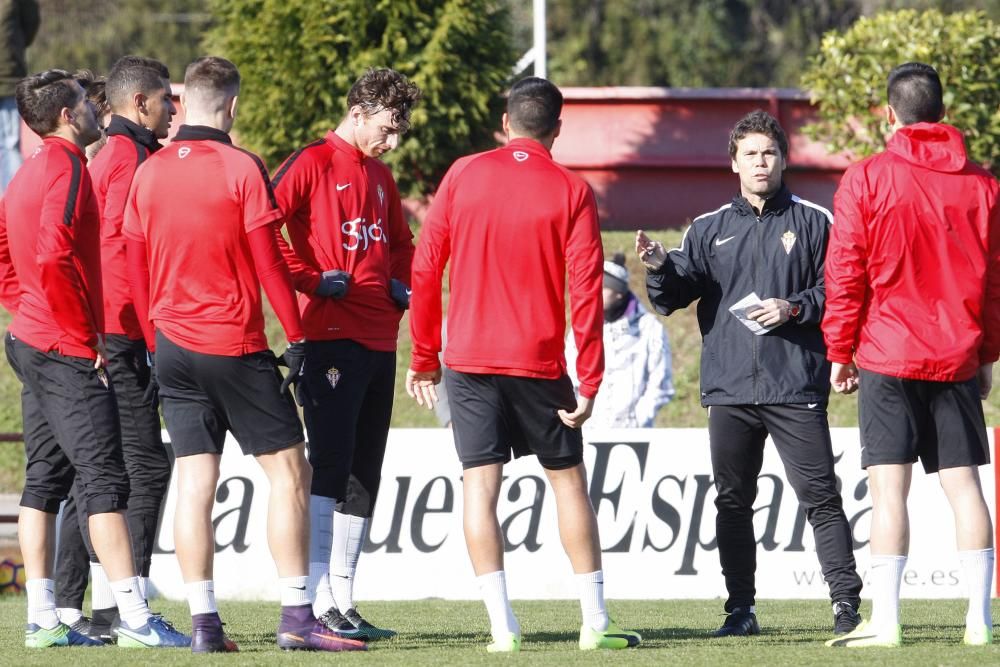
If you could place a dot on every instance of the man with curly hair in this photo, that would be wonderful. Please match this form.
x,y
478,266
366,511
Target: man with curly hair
x,y
350,257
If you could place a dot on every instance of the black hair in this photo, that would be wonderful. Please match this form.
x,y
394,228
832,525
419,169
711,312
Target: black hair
x,y
915,93
758,122
534,106
40,98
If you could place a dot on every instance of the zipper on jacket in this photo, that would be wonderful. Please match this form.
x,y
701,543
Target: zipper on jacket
x,y
753,273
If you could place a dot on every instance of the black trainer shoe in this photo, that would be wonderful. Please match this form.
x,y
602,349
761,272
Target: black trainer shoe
x,y
740,622
104,625
337,624
845,617
85,627
365,629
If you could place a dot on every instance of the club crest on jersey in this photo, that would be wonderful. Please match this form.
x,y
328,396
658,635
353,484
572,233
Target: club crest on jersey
x,y
103,377
183,151
381,195
788,240
520,156
333,377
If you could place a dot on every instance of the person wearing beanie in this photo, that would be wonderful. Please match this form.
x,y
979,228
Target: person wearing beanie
x,y
638,372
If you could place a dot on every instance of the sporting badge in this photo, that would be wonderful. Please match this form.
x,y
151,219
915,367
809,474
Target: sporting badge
x,y
788,240
333,377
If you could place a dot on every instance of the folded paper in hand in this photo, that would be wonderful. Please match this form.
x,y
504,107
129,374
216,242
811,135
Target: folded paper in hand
x,y
742,309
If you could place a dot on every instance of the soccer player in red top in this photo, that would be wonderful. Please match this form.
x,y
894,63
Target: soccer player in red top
x,y
513,222
350,258
50,279
913,317
139,96
196,271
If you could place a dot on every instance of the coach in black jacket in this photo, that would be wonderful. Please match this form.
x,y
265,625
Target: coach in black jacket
x,y
770,243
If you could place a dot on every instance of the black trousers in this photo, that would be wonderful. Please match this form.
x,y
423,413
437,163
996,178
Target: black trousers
x,y
802,437
148,467
348,391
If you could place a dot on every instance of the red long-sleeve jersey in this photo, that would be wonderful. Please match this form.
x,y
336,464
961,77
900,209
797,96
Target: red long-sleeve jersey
x,y
343,212
513,222
192,208
50,256
112,171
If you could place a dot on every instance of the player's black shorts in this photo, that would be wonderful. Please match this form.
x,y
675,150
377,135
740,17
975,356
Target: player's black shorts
x,y
494,415
205,395
901,420
70,428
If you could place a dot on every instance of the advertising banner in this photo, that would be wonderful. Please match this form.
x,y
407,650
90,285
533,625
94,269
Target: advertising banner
x,y
654,496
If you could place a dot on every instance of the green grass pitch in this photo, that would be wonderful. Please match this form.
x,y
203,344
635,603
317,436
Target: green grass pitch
x,y
437,632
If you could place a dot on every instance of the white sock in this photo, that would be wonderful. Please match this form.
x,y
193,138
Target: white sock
x,y
68,615
323,598
42,603
132,607
887,575
320,543
294,591
348,537
977,567
591,586
493,588
201,597
144,587
101,595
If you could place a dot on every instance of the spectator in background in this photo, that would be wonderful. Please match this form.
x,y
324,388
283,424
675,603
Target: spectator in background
x,y
638,377
19,20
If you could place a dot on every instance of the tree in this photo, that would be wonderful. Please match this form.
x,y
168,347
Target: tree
x,y
93,35
847,80
298,59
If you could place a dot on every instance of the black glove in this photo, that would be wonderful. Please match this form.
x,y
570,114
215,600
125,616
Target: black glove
x,y
294,357
334,283
152,393
400,293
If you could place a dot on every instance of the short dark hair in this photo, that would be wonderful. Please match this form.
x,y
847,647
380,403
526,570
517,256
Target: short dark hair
x,y
212,74
142,61
758,122
134,74
95,88
534,106
40,98
385,88
915,93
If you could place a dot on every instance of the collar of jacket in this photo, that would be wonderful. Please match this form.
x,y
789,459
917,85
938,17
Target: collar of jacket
x,y
341,145
780,201
139,134
201,133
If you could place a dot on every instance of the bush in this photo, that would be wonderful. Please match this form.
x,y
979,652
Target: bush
x,y
847,78
298,58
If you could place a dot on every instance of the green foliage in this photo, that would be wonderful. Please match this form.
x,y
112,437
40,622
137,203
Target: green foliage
x,y
847,79
298,58
93,35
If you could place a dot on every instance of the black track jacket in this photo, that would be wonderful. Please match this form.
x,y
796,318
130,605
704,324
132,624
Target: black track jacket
x,y
729,253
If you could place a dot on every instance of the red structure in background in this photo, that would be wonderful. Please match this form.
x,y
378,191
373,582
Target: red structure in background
x,y
658,157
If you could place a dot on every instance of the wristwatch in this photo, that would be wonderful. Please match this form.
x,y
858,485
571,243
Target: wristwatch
x,y
794,311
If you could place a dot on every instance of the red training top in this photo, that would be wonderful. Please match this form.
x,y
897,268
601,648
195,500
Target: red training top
x,y
112,170
513,222
192,208
50,255
913,265
344,213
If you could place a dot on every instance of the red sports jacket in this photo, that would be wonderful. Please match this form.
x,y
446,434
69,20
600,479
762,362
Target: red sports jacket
x,y
343,212
112,171
513,222
50,254
913,266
